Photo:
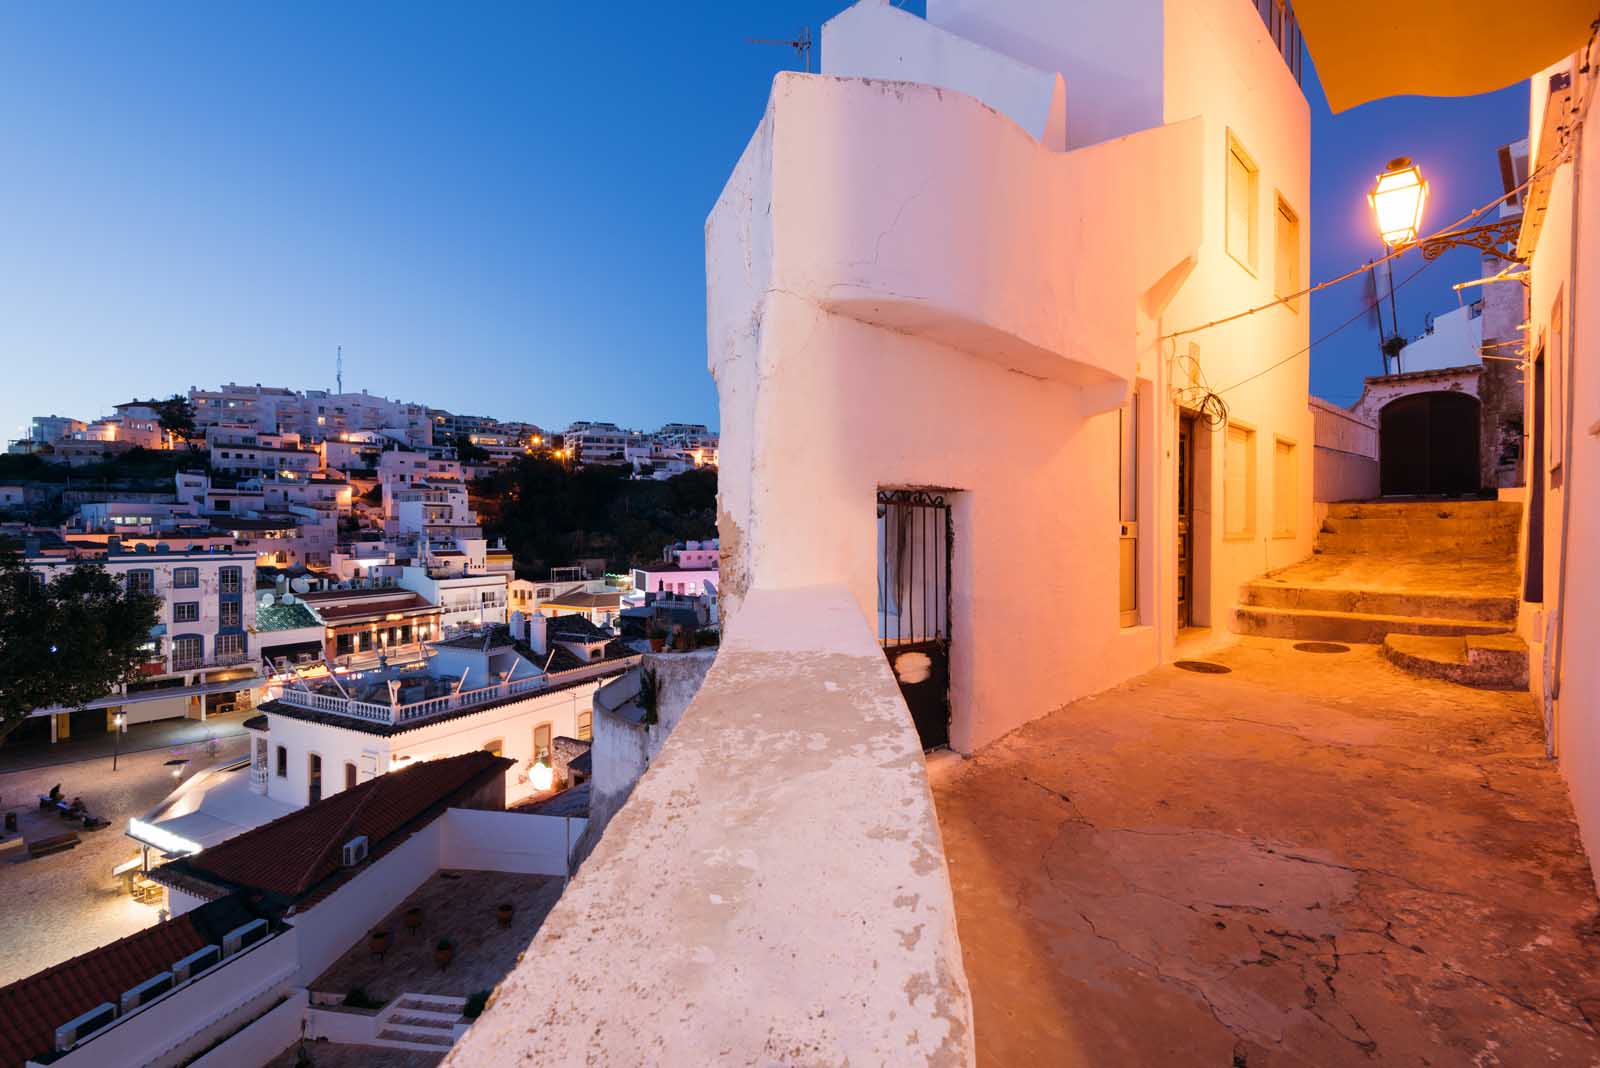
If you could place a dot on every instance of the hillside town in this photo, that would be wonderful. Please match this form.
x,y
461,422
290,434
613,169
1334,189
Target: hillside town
x,y
1034,663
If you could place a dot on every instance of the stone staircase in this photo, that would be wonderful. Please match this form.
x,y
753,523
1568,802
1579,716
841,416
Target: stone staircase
x,y
420,1021
1433,582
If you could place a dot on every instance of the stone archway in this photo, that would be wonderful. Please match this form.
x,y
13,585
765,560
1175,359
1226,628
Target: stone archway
x,y
1428,444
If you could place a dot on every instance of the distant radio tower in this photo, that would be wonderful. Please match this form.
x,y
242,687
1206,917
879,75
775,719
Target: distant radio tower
x,y
338,369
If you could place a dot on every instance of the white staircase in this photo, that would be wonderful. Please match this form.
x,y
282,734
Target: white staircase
x,y
420,1021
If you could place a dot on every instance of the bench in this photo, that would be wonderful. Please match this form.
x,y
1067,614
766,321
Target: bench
x,y
55,843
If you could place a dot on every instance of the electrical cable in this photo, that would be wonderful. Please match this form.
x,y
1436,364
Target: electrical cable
x,y
1358,315
1555,161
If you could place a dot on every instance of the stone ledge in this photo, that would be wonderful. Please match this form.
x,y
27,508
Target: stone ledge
x,y
774,891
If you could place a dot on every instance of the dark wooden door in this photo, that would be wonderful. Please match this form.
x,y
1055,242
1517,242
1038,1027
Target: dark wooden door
x,y
1186,425
1536,466
1428,445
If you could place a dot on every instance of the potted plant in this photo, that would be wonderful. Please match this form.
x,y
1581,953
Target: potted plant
x,y
444,952
657,636
378,943
649,697
413,919
504,913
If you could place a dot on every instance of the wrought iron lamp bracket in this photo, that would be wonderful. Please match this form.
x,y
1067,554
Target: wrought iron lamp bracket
x,y
1497,239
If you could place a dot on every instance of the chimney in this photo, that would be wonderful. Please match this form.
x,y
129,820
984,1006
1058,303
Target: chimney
x,y
536,633
114,544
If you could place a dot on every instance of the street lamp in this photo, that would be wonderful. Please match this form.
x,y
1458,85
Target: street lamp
x,y
120,723
541,776
1397,199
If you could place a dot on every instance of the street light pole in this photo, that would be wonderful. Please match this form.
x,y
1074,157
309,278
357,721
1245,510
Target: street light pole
x,y
119,721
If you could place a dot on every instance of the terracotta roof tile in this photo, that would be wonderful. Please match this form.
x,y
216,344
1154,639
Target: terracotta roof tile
x,y
31,1009
296,857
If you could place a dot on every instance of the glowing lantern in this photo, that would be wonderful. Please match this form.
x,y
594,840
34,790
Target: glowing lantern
x,y
541,776
1397,201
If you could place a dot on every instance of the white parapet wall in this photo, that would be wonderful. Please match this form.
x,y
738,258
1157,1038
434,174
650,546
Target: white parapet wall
x,y
773,892
1346,466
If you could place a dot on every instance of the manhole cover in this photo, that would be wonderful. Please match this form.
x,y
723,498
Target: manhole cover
x,y
1205,667
1321,647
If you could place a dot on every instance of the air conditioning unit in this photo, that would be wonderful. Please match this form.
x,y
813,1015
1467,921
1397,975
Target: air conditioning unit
x,y
247,935
75,1030
195,963
148,990
355,851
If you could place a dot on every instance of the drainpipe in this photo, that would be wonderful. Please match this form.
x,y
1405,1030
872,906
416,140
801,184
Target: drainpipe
x,y
1552,660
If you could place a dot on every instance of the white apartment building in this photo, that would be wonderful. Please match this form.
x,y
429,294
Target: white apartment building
x,y
202,650
262,408
482,690
597,443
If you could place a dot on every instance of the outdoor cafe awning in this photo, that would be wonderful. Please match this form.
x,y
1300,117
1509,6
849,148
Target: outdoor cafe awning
x,y
1367,49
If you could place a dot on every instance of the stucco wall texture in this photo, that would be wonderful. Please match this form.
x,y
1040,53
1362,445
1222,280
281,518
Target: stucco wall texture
x,y
910,287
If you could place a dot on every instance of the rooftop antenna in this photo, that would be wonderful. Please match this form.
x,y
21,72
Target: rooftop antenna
x,y
801,44
338,369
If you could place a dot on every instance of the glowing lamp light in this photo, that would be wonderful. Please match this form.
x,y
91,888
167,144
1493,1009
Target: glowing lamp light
x,y
541,776
1397,199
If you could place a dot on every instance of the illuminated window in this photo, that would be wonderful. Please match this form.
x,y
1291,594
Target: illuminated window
x,y
541,742
1243,182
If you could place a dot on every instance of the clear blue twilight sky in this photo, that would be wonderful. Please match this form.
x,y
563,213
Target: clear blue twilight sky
x,y
495,208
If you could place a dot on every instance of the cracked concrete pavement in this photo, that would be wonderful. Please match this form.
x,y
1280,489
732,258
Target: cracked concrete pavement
x,y
1313,860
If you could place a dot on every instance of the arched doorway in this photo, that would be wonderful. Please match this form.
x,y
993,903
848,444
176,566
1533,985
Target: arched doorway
x,y
1428,445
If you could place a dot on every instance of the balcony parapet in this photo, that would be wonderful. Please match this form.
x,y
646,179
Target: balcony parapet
x,y
773,891
924,211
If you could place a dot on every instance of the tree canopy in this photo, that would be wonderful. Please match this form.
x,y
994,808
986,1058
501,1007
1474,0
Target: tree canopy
x,y
550,515
67,641
176,416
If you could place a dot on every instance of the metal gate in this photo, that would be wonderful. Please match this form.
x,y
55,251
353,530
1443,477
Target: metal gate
x,y
914,542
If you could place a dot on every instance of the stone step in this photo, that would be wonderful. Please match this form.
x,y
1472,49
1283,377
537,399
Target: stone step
x,y
1404,509
1357,627
411,1038
1487,662
1424,526
1471,545
1265,593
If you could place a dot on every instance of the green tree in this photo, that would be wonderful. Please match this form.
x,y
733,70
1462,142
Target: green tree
x,y
468,453
176,416
67,641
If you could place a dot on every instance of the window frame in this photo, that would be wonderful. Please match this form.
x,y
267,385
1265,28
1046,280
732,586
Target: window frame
x,y
1251,260
141,580
1283,288
186,578
1251,479
1289,529
281,762
230,580
186,611
235,609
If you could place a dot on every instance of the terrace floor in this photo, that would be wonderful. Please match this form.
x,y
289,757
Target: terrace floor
x,y
340,1055
1313,860
460,906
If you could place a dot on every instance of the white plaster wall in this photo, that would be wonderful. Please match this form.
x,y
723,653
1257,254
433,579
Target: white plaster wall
x,y
1107,51
330,927
1220,65
875,39
1566,677
262,1040
1455,341
511,723
191,1016
1346,463
507,841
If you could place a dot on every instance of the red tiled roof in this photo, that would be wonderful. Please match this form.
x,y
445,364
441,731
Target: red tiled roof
x,y
31,1009
297,856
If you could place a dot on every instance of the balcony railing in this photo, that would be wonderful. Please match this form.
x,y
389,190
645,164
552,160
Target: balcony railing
x,y
393,714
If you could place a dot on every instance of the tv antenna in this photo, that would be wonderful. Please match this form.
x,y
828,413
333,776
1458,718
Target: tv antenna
x,y
801,44
338,369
